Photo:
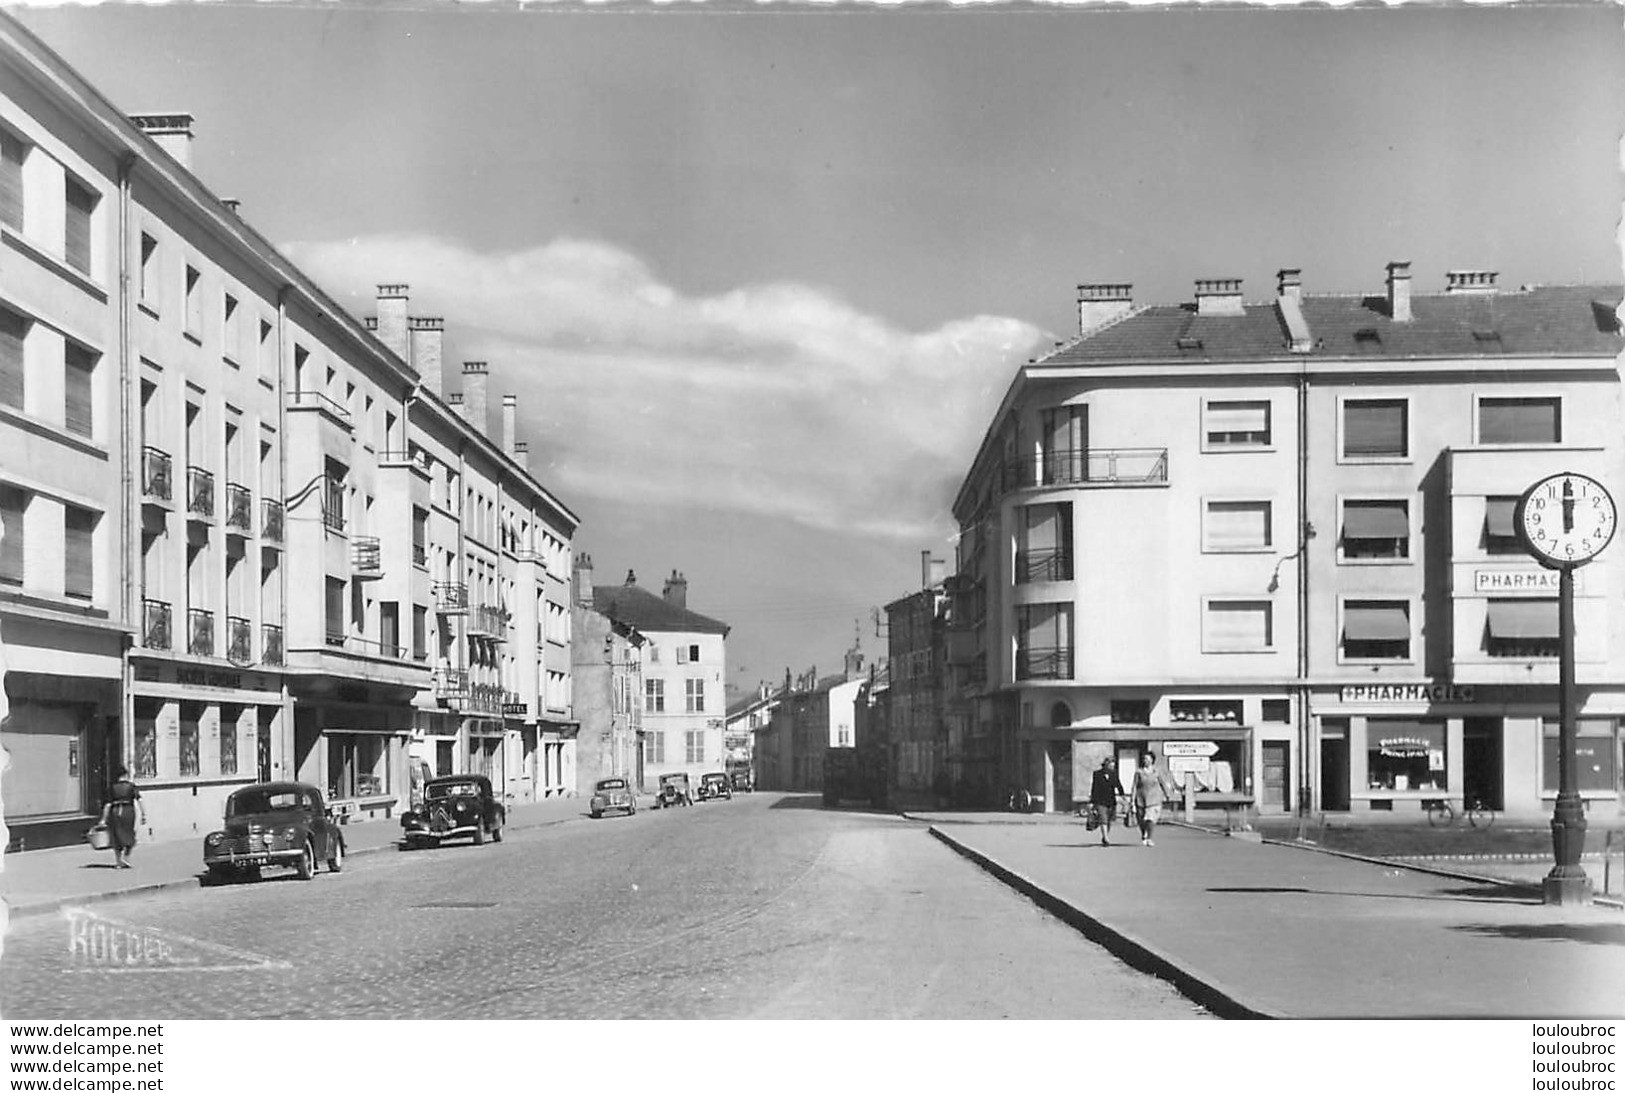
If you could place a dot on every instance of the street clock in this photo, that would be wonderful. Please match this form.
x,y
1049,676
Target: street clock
x,y
1565,520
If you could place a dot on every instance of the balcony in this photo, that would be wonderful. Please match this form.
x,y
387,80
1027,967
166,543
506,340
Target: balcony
x,y
270,643
1043,565
486,621
355,643
199,494
200,632
271,521
484,698
320,403
450,682
156,482
1043,663
450,598
1092,468
530,556
366,558
155,625
239,640
239,510
333,515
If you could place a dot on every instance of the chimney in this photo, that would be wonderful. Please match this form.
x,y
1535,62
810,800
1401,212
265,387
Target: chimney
x,y
172,132
391,328
631,577
510,414
521,454
676,590
233,204
1289,302
932,570
583,579
424,338
1399,291
1099,304
455,401
475,374
1471,282
1219,296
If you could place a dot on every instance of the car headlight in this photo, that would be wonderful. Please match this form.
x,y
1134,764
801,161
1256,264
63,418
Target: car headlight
x,y
288,834
214,839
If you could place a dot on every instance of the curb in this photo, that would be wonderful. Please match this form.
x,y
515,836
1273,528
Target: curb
x,y
1213,997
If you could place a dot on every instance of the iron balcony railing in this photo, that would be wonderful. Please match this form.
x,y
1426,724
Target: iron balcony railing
x,y
270,643
239,509
1043,663
366,558
270,520
156,618
199,493
333,517
487,621
156,470
355,643
315,400
239,640
450,598
450,682
1043,565
484,698
1091,467
200,631
528,555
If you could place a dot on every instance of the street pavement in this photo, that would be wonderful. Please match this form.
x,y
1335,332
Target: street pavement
x,y
1257,929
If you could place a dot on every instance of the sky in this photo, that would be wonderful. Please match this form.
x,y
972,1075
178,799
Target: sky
x,y
759,279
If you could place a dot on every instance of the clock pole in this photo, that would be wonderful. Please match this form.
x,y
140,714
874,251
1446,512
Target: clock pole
x,y
1567,883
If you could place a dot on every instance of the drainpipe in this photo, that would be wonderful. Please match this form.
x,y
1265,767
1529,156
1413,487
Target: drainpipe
x,y
282,764
1305,533
131,454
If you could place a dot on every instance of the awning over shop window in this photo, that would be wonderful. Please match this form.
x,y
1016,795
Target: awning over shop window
x,y
1516,619
1376,622
1498,516
1376,520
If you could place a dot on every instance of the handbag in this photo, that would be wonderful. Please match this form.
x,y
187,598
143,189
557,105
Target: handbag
x,y
1093,819
99,837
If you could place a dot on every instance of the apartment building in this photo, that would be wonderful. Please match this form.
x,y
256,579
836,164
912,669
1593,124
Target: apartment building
x,y
1272,542
917,694
606,673
684,667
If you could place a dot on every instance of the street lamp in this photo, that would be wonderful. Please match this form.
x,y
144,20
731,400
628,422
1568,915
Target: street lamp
x,y
1564,521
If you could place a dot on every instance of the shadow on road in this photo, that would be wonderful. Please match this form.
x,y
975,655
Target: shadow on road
x,y
1447,895
1588,933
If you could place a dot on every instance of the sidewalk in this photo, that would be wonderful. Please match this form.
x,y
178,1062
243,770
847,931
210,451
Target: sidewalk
x,y
1252,929
42,881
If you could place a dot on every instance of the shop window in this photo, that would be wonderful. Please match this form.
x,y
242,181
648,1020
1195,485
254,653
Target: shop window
x,y
654,747
1520,420
1376,630
357,765
1376,428
1235,424
1236,526
1227,711
1277,711
1237,626
1500,536
229,715
191,714
144,754
1404,754
1523,629
1131,711
1377,529
1595,750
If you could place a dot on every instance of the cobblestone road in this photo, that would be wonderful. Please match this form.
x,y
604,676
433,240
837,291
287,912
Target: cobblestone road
x,y
764,906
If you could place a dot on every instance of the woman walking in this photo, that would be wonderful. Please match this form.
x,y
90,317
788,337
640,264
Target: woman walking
x,y
1149,793
119,815
1103,792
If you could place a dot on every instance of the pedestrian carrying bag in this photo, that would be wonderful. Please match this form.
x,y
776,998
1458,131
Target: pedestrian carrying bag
x,y
99,837
1093,820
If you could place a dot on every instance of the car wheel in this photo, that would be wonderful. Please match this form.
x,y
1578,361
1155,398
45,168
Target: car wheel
x,y
306,866
597,815
479,835
335,857
496,833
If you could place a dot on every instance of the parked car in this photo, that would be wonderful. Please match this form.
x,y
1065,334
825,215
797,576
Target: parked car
x,y
673,791
740,780
715,785
274,823
454,807
609,794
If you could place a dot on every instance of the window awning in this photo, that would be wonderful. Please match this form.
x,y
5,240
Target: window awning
x,y
1498,516
1376,622
1376,520
1515,619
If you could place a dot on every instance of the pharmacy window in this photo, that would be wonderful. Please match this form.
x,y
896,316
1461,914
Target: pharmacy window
x,y
1596,754
1405,754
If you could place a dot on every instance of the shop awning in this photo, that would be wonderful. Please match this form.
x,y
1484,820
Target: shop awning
x,y
1376,622
1498,516
1514,619
1375,520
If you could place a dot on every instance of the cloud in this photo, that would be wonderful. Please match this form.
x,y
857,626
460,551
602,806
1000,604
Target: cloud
x,y
777,399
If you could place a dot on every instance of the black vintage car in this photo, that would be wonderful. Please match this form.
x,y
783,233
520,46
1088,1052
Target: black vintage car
x,y
713,785
455,807
740,780
673,791
275,823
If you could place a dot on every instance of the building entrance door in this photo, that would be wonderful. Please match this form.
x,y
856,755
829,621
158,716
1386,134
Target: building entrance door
x,y
1481,761
1334,765
1277,776
1060,764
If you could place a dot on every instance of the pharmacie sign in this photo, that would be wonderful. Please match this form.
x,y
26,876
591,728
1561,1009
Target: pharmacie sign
x,y
1406,692
1540,581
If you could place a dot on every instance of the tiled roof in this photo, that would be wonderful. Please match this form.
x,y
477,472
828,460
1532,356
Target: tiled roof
x,y
634,606
1555,320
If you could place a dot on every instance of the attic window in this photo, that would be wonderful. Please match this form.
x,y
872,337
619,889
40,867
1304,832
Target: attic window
x,y
1190,343
1367,340
1489,339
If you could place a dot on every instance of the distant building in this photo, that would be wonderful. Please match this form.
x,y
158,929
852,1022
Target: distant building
x,y
918,689
607,674
744,720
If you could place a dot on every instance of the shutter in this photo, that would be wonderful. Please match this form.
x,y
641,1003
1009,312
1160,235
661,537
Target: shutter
x,y
1231,418
1042,528
335,608
78,552
13,330
12,153
1374,428
1519,421
79,379
76,226
1238,525
1375,520
1498,513
12,503
1238,625
1523,619
1376,622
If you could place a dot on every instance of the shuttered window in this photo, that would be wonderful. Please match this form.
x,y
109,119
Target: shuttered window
x,y
1236,424
1375,428
335,611
1377,629
12,153
13,502
13,332
1237,525
80,204
1520,421
1500,536
78,552
1234,626
79,384
1376,529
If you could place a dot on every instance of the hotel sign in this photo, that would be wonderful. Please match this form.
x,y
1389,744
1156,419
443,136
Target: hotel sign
x,y
1538,581
1406,692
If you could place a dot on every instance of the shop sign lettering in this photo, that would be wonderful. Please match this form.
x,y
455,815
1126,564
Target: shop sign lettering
x,y
208,677
1515,580
1406,692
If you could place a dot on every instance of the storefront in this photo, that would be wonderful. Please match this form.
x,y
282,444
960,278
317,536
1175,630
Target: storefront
x,y
356,748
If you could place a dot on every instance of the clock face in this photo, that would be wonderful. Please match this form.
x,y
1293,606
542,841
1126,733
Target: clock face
x,y
1566,519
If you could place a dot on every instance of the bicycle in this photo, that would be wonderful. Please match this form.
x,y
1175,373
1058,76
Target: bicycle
x,y
1443,813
